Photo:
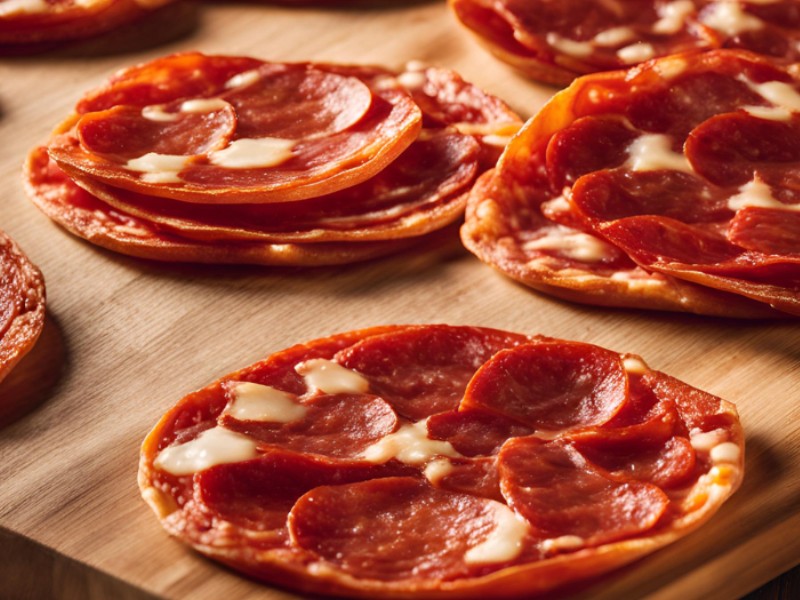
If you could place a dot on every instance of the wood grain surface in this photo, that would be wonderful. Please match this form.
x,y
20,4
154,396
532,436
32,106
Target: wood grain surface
x,y
126,338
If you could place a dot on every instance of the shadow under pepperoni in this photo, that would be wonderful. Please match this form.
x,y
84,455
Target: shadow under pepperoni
x,y
31,381
162,26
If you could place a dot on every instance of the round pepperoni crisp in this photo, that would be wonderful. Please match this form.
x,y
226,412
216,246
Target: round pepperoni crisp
x,y
433,461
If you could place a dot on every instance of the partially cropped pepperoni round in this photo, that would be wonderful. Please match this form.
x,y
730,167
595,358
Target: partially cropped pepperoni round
x,y
551,387
393,528
562,494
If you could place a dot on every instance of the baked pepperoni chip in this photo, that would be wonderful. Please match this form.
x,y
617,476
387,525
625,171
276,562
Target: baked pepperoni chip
x,y
432,461
670,186
34,21
233,159
557,41
22,304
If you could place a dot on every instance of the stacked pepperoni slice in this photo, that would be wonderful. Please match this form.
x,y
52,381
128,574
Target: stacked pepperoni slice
x,y
22,304
671,186
437,461
33,21
231,159
556,41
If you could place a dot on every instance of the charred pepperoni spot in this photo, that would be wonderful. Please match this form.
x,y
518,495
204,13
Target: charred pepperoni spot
x,y
550,387
561,494
337,426
381,529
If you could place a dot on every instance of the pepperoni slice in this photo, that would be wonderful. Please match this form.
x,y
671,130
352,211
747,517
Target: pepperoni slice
x,y
557,42
22,304
433,460
425,371
232,159
639,188
550,387
61,20
562,494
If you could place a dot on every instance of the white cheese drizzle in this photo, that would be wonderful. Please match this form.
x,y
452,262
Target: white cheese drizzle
x,y
704,441
673,16
243,79
253,153
256,402
572,244
636,53
158,168
635,365
156,112
758,194
726,452
781,95
437,469
329,377
652,152
570,47
727,16
614,36
504,541
10,7
564,542
214,446
410,444
203,105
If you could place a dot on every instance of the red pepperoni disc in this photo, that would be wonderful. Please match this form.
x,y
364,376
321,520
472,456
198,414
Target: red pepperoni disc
x,y
433,461
22,304
670,186
61,20
233,159
555,42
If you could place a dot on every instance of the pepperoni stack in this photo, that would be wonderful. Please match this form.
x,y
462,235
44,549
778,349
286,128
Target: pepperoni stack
x,y
34,21
230,159
22,304
671,186
557,41
434,461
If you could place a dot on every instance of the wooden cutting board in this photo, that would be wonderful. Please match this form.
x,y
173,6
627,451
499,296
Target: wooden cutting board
x,y
126,338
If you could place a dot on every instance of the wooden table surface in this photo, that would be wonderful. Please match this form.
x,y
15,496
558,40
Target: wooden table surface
x,y
126,338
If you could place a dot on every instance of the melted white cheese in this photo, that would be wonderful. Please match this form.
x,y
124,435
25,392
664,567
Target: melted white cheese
x,y
214,446
758,194
253,153
704,441
779,94
564,542
412,80
159,168
670,67
243,79
572,244
726,452
652,152
203,105
772,113
636,53
614,36
329,377
410,445
570,47
437,469
416,65
635,365
505,540
727,16
10,7
673,16
156,112
256,402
